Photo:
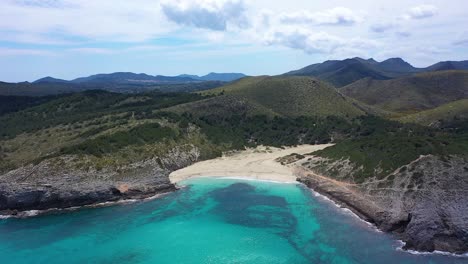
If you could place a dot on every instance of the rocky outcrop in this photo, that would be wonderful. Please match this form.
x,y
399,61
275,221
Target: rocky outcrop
x,y
65,182
425,202
28,197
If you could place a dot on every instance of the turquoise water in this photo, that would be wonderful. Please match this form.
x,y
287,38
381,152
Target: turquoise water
x,y
209,221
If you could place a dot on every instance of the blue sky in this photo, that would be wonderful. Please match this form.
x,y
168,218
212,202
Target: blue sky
x,y
72,38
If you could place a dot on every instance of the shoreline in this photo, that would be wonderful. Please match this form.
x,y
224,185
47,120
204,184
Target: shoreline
x,y
262,164
318,189
240,178
256,163
259,164
34,213
345,208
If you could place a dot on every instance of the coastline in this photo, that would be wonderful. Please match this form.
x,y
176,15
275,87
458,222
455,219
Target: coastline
x,y
263,164
346,208
120,199
127,200
366,211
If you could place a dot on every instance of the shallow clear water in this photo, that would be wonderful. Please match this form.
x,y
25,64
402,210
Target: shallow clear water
x,y
210,221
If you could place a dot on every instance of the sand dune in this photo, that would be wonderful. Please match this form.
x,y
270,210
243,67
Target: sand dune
x,y
258,163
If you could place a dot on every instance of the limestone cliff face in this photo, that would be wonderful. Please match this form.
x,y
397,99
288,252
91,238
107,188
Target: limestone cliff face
x,y
425,202
65,182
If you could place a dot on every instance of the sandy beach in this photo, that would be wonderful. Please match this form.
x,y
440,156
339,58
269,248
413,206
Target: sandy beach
x,y
258,163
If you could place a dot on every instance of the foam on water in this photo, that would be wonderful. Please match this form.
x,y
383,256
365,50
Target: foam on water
x,y
345,210
436,252
34,213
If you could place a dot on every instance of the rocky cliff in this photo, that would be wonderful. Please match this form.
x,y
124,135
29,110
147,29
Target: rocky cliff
x,y
424,202
69,181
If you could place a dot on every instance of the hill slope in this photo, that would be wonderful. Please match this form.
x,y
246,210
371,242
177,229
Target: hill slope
x,y
448,65
43,88
290,96
414,93
443,114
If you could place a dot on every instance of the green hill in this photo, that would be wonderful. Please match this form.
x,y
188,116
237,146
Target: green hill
x,y
446,113
413,93
222,105
289,96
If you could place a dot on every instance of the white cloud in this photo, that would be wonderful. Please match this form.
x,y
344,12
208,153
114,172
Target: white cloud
x,y
312,43
421,12
207,14
161,28
33,38
382,27
403,34
118,20
24,52
43,3
335,16
461,42
304,40
308,31
462,39
92,50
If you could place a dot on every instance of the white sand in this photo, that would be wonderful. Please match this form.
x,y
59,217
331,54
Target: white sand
x,y
256,164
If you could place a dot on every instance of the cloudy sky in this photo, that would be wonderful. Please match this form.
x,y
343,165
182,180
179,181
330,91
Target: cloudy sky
x,y
72,38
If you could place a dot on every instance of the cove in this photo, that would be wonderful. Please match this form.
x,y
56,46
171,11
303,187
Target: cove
x,y
211,220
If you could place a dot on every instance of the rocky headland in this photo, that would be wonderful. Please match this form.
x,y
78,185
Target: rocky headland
x,y
68,181
425,203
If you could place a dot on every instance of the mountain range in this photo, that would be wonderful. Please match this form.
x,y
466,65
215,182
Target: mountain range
x,y
142,78
343,72
408,94
339,73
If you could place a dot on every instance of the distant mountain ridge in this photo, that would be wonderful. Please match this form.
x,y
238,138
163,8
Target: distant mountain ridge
x,y
49,79
213,76
343,72
413,93
129,77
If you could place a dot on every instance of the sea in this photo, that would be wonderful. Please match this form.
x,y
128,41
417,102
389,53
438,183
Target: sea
x,y
210,220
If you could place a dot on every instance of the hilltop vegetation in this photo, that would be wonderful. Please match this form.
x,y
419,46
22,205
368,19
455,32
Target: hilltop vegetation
x,y
80,107
224,106
441,116
10,104
290,96
381,154
53,87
